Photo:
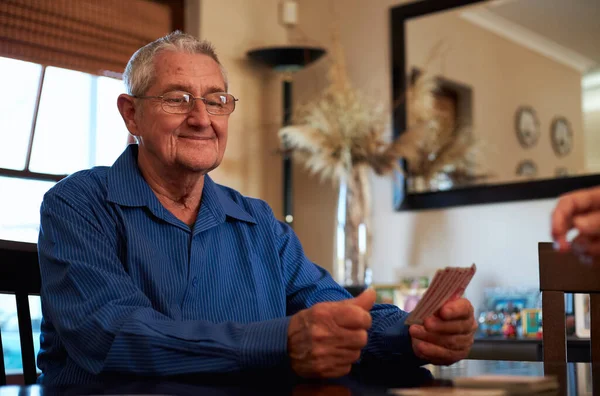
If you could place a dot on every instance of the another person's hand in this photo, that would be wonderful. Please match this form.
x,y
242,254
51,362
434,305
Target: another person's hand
x,y
326,339
580,210
447,336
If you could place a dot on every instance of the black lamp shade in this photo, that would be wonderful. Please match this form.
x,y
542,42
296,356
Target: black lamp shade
x,y
286,59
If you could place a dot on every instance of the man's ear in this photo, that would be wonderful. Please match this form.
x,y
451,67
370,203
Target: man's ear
x,y
126,106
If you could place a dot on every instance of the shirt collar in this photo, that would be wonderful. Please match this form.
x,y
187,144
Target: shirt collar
x,y
127,187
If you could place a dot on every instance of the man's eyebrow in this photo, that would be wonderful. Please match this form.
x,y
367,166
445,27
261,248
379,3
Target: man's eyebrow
x,y
187,88
176,87
214,88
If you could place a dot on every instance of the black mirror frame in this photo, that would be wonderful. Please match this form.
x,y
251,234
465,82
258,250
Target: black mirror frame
x,y
480,194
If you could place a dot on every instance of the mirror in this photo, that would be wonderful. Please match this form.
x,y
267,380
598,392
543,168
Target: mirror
x,y
516,84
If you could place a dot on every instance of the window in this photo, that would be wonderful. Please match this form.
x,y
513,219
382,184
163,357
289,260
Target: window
x,y
9,324
54,122
55,118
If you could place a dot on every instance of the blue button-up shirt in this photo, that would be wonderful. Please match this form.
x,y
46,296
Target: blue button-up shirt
x,y
129,288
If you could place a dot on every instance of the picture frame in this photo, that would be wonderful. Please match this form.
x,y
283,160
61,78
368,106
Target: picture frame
x,y
502,298
531,319
584,379
405,294
385,293
582,315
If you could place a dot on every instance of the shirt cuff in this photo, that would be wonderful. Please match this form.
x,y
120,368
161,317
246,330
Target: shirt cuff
x,y
395,340
264,344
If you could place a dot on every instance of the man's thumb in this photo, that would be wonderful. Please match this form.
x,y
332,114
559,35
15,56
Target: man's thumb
x,y
365,300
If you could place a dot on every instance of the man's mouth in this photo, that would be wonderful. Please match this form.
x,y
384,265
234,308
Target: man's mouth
x,y
196,137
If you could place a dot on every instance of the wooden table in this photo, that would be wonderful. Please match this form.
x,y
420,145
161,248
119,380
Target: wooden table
x,y
377,382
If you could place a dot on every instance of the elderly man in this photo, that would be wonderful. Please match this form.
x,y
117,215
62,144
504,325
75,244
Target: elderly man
x,y
150,268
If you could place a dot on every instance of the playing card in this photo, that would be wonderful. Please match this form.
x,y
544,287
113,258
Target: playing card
x,y
447,277
448,283
448,286
430,294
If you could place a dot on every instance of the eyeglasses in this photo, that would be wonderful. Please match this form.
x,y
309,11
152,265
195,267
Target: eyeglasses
x,y
179,102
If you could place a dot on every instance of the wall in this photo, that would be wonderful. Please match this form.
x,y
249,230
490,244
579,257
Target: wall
x,y
591,121
503,76
500,238
591,126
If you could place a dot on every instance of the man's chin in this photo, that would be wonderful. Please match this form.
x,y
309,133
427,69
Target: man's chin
x,y
201,167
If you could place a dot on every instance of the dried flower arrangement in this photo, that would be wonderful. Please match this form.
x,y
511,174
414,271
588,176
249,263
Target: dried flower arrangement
x,y
342,134
342,129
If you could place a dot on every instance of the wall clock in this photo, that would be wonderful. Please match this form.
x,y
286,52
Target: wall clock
x,y
561,136
527,126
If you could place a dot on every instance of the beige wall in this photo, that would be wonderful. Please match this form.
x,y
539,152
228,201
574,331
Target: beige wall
x,y
503,76
500,238
591,126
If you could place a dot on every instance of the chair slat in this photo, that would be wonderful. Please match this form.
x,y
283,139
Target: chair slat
x,y
26,337
20,276
554,341
2,367
564,273
595,338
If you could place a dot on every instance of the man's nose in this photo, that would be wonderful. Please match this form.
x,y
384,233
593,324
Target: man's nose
x,y
198,115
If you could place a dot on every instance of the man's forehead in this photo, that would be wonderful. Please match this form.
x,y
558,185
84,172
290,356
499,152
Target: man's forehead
x,y
183,62
181,70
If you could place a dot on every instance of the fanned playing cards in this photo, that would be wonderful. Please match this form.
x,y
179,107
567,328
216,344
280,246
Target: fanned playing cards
x,y
446,284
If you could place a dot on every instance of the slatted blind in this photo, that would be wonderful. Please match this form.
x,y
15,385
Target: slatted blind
x,y
93,36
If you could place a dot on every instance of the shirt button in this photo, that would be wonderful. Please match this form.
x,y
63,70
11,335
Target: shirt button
x,y
195,282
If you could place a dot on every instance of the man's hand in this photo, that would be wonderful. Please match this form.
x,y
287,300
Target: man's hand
x,y
326,339
447,336
581,210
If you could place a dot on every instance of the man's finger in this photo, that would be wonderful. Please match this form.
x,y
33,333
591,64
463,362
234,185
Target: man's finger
x,y
588,224
455,342
350,316
584,245
344,356
437,354
364,300
570,205
456,310
352,339
463,326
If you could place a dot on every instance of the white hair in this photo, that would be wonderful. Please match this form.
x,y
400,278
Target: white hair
x,y
139,72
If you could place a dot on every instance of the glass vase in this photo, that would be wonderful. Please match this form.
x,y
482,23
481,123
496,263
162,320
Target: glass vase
x,y
353,232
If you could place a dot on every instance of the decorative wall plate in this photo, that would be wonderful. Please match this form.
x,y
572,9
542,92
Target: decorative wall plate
x,y
561,171
561,136
527,168
527,126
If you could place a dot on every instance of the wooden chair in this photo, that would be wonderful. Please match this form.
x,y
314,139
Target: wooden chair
x,y
562,273
20,275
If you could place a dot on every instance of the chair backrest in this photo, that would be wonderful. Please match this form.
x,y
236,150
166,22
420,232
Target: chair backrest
x,y
562,273
20,275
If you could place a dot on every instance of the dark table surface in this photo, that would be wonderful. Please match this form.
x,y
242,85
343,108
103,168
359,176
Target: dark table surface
x,y
360,382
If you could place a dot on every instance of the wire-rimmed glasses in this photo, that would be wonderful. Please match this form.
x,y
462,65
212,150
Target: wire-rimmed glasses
x,y
180,102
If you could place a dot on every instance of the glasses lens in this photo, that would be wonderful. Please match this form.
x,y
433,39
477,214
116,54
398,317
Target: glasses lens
x,y
176,102
219,103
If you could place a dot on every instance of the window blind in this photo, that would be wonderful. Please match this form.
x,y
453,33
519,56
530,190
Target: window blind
x,y
93,36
